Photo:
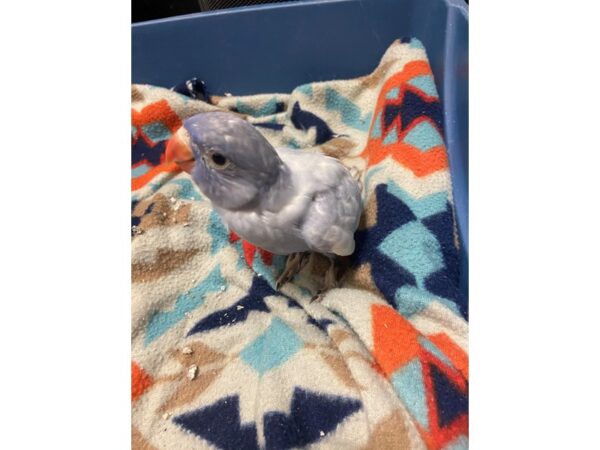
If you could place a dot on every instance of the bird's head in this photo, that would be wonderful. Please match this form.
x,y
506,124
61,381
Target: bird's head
x,y
229,160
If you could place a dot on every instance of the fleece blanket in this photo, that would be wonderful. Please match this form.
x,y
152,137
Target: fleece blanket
x,y
222,360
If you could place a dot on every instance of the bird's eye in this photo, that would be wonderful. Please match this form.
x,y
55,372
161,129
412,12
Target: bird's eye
x,y
218,159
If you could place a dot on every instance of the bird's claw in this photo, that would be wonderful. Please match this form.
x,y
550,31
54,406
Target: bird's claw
x,y
293,265
283,279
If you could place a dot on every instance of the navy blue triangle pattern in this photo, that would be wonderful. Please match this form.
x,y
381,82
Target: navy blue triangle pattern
x,y
305,120
269,125
321,324
135,220
452,403
141,151
445,281
254,300
392,213
388,276
412,107
311,417
220,425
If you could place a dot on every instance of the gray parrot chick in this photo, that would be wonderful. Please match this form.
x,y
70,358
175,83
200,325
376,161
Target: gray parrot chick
x,y
285,201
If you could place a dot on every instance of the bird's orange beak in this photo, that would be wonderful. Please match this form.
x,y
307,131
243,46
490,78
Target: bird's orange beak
x,y
179,151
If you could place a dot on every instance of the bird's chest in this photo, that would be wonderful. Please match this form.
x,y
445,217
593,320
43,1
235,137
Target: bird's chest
x,y
272,232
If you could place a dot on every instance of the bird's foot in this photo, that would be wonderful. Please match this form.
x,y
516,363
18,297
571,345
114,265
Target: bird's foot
x,y
294,264
318,296
333,276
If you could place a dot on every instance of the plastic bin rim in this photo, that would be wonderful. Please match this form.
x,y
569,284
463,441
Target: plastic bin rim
x,y
460,5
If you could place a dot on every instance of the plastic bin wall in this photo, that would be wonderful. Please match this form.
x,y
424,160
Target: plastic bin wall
x,y
274,48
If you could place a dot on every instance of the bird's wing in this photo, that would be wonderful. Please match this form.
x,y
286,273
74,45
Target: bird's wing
x,y
333,216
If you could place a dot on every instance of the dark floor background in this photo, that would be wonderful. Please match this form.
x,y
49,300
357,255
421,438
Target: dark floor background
x,y
142,10
155,9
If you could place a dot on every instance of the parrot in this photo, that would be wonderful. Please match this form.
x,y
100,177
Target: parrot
x,y
288,202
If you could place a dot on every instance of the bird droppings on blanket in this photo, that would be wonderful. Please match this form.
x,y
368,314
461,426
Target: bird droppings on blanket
x,y
186,224
187,351
176,204
137,230
166,416
321,433
192,372
222,288
239,307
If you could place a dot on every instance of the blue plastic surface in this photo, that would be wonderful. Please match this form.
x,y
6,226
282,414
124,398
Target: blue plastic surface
x,y
276,47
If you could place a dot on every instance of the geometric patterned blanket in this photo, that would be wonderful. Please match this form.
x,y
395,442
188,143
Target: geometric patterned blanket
x,y
220,359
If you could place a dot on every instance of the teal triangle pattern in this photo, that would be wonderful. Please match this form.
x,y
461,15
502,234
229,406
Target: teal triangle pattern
x,y
350,113
272,348
140,170
460,443
218,233
391,137
410,300
392,94
268,108
415,248
408,384
424,136
187,190
432,348
370,174
305,89
162,321
156,131
269,273
292,143
422,207
425,83
415,43
376,132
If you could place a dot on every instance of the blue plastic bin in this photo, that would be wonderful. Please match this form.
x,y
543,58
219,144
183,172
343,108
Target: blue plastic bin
x,y
276,47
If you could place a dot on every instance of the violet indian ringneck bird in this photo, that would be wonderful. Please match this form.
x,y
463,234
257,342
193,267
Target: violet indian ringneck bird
x,y
288,202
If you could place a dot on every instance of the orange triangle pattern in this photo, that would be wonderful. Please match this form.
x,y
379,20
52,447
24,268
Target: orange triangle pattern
x,y
140,381
159,111
395,344
250,250
394,339
419,162
455,354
